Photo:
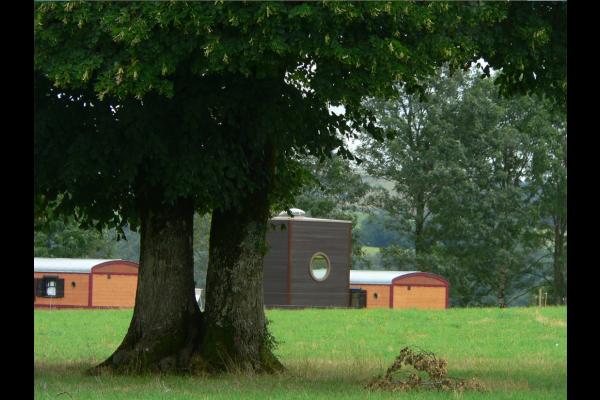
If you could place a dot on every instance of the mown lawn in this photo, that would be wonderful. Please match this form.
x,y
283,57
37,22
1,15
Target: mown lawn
x,y
518,353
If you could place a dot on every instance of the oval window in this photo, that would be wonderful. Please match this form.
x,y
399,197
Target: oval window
x,y
319,267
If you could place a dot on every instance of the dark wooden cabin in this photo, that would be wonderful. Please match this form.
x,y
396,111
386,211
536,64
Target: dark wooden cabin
x,y
308,262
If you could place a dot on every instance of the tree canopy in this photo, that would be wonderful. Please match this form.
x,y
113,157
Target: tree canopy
x,y
153,69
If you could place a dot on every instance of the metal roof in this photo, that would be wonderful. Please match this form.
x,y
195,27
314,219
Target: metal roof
x,y
375,277
307,219
81,265
294,211
300,215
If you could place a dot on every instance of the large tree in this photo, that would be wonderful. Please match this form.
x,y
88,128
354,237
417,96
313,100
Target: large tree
x,y
412,158
149,111
487,218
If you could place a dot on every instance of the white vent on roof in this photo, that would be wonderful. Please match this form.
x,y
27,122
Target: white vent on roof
x,y
296,212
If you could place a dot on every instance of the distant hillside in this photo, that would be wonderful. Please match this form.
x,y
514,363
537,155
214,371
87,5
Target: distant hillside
x,y
378,182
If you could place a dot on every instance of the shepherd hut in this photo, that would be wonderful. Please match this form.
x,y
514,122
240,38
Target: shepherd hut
x,y
401,289
84,283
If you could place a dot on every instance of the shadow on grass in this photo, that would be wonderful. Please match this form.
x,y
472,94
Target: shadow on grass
x,y
312,373
70,378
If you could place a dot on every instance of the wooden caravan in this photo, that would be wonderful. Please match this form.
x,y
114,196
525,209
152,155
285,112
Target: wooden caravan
x,y
308,262
401,289
84,283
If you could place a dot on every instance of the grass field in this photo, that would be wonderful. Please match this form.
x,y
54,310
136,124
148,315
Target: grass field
x,y
518,353
370,250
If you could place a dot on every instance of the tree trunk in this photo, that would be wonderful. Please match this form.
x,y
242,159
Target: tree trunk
x,y
166,327
558,264
502,287
419,228
236,336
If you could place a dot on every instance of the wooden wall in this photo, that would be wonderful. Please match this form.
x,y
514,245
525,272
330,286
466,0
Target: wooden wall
x,y
275,272
113,290
332,239
419,297
383,295
114,284
73,297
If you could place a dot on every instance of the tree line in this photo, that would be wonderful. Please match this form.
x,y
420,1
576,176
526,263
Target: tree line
x,y
479,189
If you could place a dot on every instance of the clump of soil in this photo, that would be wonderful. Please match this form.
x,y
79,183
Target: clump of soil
x,y
435,374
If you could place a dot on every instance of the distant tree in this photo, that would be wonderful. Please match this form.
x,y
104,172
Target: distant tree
x,y
487,217
378,229
549,186
411,158
65,239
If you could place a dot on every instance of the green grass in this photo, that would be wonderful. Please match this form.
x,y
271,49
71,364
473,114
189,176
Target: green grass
x,y
370,250
518,353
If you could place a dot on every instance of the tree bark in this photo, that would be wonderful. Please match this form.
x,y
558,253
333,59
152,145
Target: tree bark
x,y
236,336
502,286
558,263
419,230
166,327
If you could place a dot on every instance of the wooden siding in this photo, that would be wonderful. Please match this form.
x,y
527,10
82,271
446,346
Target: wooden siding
x,y
275,270
74,296
109,290
330,238
420,297
383,295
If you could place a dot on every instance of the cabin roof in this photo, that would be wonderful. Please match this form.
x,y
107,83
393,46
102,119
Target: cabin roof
x,y
66,265
301,218
375,277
